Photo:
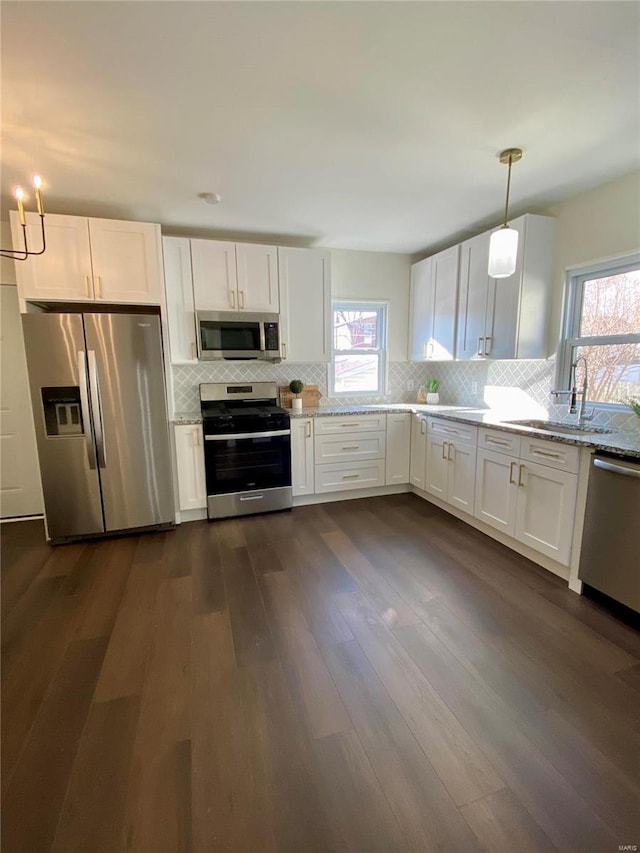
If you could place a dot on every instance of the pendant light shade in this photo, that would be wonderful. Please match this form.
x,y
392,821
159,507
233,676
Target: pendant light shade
x,y
503,247
503,250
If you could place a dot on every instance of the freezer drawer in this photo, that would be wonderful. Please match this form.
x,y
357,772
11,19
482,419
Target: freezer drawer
x,y
609,556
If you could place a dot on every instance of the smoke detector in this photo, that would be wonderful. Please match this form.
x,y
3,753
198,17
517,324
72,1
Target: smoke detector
x,y
210,198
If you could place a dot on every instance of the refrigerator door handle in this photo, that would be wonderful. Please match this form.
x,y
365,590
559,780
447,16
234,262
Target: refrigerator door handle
x,y
96,405
84,406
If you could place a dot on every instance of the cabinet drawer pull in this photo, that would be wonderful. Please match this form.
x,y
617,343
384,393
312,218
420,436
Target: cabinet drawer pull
x,y
547,453
498,441
232,298
350,476
480,347
450,448
520,474
444,450
487,348
348,425
351,447
512,482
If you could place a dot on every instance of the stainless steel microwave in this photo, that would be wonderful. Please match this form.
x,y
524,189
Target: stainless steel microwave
x,y
238,335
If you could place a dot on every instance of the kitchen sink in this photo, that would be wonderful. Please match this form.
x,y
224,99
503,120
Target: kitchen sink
x,y
561,427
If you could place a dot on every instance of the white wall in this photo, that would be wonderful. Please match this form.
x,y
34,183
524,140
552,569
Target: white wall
x,y
593,226
7,267
377,276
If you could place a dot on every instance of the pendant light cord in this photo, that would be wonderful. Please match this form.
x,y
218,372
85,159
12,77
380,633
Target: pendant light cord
x,y
506,206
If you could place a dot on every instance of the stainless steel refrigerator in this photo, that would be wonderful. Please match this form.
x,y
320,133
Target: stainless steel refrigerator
x,y
98,396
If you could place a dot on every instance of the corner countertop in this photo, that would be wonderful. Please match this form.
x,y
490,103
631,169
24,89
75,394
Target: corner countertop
x,y
618,442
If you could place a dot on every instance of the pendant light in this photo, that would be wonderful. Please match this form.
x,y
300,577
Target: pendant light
x,y
23,253
503,247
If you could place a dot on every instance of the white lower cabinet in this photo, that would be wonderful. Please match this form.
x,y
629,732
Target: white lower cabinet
x,y
302,459
418,451
398,448
344,476
451,472
533,503
192,489
545,510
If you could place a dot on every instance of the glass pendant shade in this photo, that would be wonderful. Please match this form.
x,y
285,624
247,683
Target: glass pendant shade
x,y
503,250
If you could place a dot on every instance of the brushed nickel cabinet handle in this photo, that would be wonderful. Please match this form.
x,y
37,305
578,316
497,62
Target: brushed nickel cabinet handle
x,y
491,440
512,482
480,347
308,429
449,456
97,283
194,351
196,437
444,450
423,426
87,286
351,447
284,350
487,347
520,473
547,453
351,476
232,298
241,298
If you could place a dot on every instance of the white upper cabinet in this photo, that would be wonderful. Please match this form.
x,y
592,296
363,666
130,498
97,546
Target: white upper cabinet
x,y
90,260
507,317
234,276
434,295
179,297
215,283
305,304
257,269
64,271
126,261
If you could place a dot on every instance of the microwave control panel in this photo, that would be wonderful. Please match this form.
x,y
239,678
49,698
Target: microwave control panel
x,y
271,341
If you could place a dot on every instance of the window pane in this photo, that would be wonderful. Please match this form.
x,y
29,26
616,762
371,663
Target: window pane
x,y
355,373
355,329
611,305
614,372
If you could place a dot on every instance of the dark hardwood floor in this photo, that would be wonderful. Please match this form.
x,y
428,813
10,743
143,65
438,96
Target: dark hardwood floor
x,y
360,676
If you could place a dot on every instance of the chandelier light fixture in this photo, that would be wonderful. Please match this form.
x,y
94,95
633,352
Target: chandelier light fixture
x,y
503,247
23,253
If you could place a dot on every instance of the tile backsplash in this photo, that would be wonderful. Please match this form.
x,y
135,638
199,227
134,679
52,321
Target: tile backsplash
x,y
522,386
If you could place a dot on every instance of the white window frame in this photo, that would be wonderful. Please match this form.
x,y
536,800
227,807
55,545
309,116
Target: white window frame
x,y
381,350
570,337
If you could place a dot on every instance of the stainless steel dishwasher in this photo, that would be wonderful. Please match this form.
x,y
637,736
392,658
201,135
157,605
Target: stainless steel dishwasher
x,y
610,556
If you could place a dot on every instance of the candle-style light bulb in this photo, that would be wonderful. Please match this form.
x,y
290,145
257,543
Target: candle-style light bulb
x,y
37,183
19,194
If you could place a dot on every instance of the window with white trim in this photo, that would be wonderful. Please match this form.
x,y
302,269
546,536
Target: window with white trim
x,y
602,323
359,344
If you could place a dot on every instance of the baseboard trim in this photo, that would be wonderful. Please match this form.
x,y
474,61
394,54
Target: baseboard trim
x,y
332,497
15,518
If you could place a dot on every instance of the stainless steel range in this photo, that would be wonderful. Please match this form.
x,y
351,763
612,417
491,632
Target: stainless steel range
x,y
247,449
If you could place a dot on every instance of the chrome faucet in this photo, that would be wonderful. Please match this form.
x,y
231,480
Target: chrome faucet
x,y
573,392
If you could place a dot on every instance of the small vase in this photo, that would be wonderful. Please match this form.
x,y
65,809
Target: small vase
x,y
296,404
433,398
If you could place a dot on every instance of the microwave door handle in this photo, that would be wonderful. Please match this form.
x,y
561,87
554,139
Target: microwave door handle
x,y
84,407
96,405
263,341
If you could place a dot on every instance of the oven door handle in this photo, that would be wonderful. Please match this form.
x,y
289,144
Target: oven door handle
x,y
271,434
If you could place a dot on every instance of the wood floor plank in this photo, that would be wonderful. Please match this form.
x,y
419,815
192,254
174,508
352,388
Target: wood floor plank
x,y
426,813
201,555
159,792
322,704
92,817
352,790
390,606
503,825
464,770
31,808
108,586
23,553
562,814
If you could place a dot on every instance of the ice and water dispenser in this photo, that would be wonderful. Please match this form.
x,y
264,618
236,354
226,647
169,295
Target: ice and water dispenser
x,y
62,411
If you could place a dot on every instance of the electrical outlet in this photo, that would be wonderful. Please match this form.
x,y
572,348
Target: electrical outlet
x,y
411,384
474,389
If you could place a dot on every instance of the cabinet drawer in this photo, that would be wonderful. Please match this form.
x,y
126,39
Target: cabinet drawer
x,y
350,447
453,430
499,441
551,453
350,423
343,476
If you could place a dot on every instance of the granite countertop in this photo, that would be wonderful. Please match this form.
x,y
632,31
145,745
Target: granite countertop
x,y
619,442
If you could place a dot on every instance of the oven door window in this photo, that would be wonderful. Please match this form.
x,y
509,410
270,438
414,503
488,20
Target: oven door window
x,y
216,336
244,464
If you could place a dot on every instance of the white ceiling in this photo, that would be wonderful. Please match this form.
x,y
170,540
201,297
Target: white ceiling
x,y
347,124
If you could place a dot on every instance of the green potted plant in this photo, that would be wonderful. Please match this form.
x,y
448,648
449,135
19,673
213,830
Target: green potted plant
x,y
634,405
433,386
296,386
